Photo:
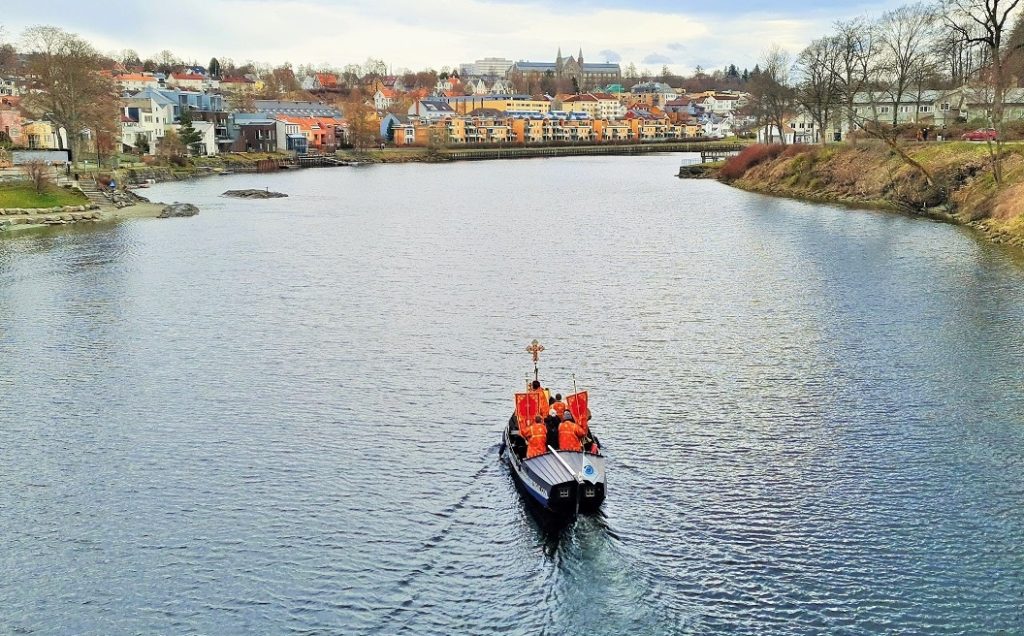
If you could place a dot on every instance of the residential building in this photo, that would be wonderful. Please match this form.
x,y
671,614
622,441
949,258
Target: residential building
x,y
258,135
11,126
190,81
238,84
134,82
320,82
653,93
147,118
431,109
384,99
464,104
8,86
42,135
274,107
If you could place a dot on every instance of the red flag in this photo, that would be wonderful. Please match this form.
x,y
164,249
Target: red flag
x,y
526,410
577,405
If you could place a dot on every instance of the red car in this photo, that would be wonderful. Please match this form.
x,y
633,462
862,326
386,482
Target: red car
x,y
981,134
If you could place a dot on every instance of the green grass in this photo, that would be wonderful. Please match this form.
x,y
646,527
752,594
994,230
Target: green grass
x,y
23,195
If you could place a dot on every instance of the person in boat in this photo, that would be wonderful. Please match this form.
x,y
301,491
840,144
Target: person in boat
x,y
537,438
570,434
542,395
551,422
558,405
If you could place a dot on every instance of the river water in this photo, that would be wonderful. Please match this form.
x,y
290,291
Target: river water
x,y
283,416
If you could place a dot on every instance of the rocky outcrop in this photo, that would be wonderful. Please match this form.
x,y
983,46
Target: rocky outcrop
x,y
253,194
176,210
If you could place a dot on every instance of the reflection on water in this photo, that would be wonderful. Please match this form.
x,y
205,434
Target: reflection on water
x,y
284,415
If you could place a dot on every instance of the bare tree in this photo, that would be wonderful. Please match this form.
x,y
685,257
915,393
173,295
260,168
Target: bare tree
x,y
38,173
987,23
66,82
773,97
818,68
858,46
906,45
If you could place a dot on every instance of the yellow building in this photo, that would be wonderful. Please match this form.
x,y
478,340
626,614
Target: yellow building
x,y
40,135
465,104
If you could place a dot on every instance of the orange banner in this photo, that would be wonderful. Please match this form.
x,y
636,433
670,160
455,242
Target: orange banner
x,y
527,408
578,405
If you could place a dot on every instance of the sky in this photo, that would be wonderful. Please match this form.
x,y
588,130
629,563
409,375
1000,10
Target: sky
x,y
411,34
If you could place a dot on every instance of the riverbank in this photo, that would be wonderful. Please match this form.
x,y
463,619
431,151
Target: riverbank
x,y
441,155
962,187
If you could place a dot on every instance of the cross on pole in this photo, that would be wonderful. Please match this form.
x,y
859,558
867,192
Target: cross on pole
x,y
535,348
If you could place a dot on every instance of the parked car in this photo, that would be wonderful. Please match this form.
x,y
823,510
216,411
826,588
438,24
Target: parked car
x,y
981,134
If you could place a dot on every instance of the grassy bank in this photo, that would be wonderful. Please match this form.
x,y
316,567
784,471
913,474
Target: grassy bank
x,y
962,188
23,195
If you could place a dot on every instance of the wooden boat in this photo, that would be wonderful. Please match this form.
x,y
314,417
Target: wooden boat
x,y
560,482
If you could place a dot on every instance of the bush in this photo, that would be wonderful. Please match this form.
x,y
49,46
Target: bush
x,y
737,166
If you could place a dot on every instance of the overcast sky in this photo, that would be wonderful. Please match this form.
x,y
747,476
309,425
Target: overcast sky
x,y
416,34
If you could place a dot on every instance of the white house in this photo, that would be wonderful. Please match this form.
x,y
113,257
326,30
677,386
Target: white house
x,y
384,99
770,134
146,117
189,81
431,110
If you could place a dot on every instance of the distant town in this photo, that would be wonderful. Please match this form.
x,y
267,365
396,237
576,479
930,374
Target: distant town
x,y
166,106
57,92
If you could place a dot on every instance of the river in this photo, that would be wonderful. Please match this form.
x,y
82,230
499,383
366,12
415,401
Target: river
x,y
283,416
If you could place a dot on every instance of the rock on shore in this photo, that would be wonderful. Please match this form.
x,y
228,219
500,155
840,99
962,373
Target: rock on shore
x,y
175,210
254,194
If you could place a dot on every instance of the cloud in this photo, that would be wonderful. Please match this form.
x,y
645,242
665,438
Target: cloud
x,y
413,34
656,58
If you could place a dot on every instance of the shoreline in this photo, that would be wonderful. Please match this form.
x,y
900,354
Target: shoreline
x,y
868,178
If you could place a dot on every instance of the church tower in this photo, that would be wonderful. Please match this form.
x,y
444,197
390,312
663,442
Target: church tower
x,y
579,58
558,63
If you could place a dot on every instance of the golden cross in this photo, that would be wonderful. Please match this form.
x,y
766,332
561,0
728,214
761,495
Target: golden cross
x,y
535,348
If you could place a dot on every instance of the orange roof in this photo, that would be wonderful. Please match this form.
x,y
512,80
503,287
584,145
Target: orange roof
x,y
387,92
187,76
134,77
327,80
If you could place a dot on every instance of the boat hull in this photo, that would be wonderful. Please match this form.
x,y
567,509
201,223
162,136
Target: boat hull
x,y
574,485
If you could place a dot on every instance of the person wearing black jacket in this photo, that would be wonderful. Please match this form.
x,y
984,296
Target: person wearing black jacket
x,y
551,422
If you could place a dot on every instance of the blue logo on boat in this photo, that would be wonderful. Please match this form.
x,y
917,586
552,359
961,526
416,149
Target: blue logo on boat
x,y
588,470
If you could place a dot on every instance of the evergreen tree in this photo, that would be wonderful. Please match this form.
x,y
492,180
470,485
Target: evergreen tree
x,y
732,71
190,137
214,68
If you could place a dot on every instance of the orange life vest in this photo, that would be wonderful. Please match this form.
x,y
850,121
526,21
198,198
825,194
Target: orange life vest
x,y
537,440
569,434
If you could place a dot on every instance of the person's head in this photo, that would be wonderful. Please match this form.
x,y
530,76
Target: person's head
x,y
551,400
536,384
567,416
537,420
558,396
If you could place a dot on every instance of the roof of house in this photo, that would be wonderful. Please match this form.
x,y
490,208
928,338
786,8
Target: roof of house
x,y
327,80
433,106
187,76
297,108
